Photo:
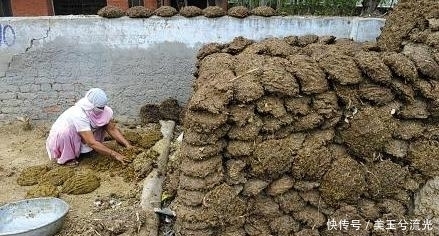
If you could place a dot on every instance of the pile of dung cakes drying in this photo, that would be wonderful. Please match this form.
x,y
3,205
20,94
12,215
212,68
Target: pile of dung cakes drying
x,y
411,21
47,181
284,135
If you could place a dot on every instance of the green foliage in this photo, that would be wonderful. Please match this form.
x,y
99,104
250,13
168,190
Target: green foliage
x,y
319,7
309,7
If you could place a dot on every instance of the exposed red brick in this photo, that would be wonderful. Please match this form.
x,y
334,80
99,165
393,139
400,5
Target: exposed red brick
x,y
122,4
45,7
150,4
32,8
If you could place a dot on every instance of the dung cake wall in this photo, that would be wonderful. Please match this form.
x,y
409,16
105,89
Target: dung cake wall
x,y
284,135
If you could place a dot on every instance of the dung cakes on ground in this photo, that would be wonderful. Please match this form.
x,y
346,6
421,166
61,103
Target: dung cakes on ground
x,y
43,190
81,183
57,176
31,175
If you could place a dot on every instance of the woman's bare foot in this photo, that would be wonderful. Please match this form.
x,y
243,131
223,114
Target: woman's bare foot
x,y
72,163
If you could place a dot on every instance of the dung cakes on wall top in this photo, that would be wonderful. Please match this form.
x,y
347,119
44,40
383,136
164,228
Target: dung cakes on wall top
x,y
188,11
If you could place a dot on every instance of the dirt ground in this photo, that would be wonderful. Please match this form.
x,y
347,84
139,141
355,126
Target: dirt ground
x,y
112,209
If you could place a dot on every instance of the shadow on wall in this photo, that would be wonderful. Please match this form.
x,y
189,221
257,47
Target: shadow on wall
x,y
48,80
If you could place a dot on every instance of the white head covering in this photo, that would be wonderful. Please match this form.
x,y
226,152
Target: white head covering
x,y
97,97
93,99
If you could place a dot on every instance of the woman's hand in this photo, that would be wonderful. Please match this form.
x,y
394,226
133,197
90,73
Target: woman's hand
x,y
101,148
123,159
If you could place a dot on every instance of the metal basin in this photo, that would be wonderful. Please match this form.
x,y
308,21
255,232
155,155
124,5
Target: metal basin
x,y
36,217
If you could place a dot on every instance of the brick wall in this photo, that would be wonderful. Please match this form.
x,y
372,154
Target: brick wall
x,y
32,8
151,4
45,7
123,4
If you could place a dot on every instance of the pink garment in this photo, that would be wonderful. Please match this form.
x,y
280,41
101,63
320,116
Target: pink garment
x,y
64,142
